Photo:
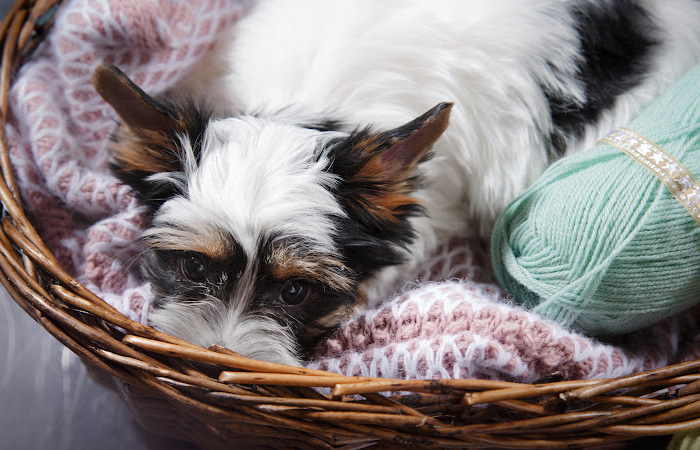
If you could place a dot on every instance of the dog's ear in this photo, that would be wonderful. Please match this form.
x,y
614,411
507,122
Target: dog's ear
x,y
149,140
142,144
384,176
396,153
136,109
378,179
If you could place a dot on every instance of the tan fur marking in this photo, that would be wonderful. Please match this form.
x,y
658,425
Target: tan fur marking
x,y
334,318
397,192
211,243
386,207
147,151
342,313
325,269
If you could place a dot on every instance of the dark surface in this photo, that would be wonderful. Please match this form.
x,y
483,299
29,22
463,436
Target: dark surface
x,y
50,402
47,399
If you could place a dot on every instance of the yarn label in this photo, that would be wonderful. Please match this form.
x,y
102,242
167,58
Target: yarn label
x,y
668,169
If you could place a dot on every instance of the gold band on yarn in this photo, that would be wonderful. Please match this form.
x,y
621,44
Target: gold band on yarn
x,y
677,178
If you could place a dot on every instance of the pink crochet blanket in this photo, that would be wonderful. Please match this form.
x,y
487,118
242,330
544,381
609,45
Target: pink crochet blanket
x,y
449,320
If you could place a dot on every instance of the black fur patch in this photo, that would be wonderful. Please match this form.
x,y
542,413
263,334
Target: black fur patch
x,y
324,125
194,121
617,40
367,242
150,194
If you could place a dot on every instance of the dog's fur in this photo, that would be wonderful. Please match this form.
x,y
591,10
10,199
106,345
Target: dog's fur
x,y
299,185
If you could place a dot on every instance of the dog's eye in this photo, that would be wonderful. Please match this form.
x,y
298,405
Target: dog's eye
x,y
193,267
294,292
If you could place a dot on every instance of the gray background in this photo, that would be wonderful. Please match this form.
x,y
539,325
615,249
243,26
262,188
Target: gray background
x,y
47,400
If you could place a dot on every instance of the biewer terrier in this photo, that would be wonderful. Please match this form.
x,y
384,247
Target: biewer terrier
x,y
307,162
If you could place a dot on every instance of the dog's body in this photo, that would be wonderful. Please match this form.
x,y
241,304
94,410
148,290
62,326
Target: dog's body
x,y
283,191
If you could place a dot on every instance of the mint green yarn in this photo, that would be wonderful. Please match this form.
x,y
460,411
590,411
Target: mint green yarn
x,y
599,243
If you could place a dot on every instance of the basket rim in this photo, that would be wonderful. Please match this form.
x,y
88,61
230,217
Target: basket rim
x,y
265,399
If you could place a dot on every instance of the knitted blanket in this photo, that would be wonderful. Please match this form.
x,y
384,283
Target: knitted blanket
x,y
447,320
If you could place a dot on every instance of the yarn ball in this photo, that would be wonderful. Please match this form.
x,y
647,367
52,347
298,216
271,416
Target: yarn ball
x,y
599,243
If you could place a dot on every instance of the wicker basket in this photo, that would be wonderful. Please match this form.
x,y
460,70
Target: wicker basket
x,y
213,396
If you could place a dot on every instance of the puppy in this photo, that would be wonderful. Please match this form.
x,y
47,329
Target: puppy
x,y
313,164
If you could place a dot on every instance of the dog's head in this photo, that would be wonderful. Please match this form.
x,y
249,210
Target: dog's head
x,y
263,231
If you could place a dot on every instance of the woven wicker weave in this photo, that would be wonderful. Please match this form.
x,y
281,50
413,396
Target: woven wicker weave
x,y
213,396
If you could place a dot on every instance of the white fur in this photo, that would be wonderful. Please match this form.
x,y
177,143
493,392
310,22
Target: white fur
x,y
256,179
211,321
384,63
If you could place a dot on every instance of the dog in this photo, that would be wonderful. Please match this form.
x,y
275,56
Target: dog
x,y
324,148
